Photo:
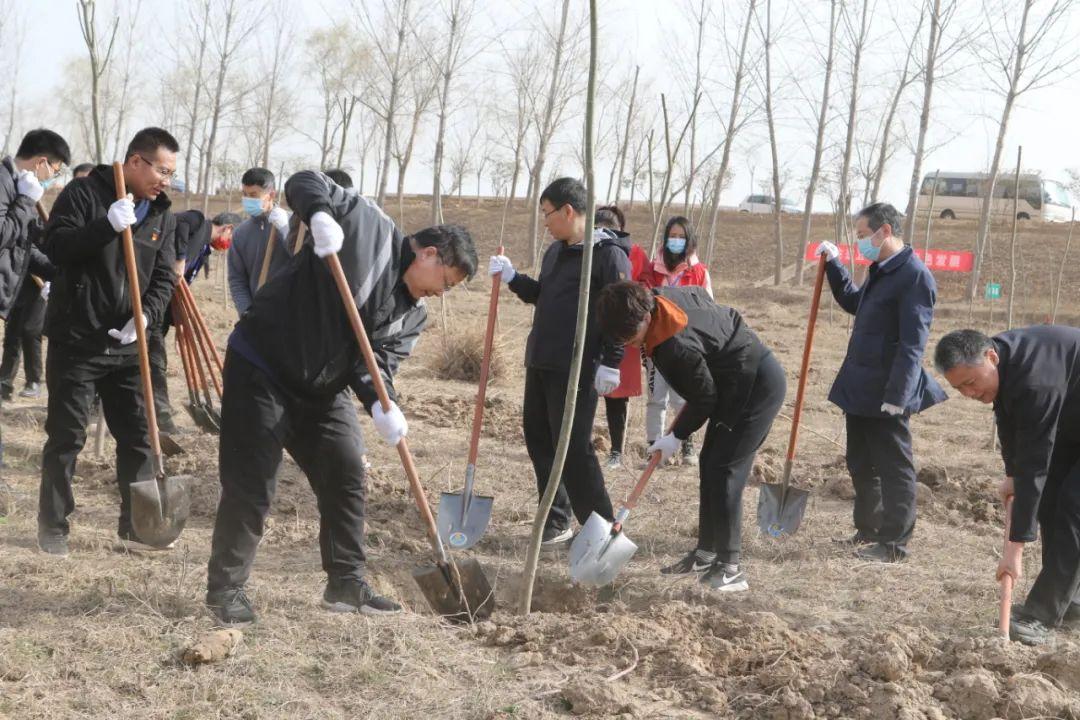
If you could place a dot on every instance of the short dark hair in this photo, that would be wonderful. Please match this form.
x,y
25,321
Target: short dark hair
x,y
260,177
340,177
880,214
566,191
148,140
620,309
226,218
670,258
44,142
609,216
961,347
454,245
83,168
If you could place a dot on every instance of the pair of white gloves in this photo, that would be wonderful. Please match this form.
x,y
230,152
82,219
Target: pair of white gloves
x,y
607,378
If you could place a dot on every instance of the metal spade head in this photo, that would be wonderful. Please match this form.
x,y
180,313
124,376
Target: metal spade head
x,y
169,447
780,513
202,417
461,596
597,555
160,509
463,518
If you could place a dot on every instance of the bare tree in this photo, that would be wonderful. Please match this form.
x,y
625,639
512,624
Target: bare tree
x,y
273,102
858,39
1017,59
778,235
423,85
521,71
199,18
99,46
627,129
12,27
129,42
1014,290
461,159
670,152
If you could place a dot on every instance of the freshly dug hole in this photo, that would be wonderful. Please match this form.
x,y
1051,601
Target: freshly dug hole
x,y
460,353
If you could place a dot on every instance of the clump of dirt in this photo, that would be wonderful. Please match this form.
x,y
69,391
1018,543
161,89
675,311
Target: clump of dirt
x,y
502,418
460,355
958,496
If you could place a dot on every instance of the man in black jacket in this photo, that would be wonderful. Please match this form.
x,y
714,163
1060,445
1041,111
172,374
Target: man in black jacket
x,y
550,347
90,325
290,363
1032,377
731,382
25,322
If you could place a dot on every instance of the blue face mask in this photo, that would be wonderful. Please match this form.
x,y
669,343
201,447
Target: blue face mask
x,y
676,245
867,248
46,183
252,206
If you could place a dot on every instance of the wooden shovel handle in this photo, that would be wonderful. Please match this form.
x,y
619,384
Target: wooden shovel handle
x,y
200,327
140,331
1005,605
485,366
200,341
201,364
796,414
384,399
182,344
267,254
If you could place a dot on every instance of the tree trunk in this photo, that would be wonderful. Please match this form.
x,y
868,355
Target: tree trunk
x,y
883,150
1061,269
1013,290
693,124
444,110
924,116
391,105
626,136
215,117
853,106
194,116
778,233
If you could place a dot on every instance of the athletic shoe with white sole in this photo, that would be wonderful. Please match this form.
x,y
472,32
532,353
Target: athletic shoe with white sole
x,y
614,461
691,564
356,596
231,607
725,577
55,544
556,536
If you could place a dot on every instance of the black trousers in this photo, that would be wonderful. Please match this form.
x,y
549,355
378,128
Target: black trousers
x,y
258,420
72,379
616,418
1058,583
159,368
581,490
22,332
727,457
883,472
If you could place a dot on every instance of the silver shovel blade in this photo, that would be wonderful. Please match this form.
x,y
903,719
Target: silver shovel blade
x,y
597,556
160,509
779,515
461,526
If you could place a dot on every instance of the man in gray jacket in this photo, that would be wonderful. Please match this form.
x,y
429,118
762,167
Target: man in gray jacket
x,y
250,239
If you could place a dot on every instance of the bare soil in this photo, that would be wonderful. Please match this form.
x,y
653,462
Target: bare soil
x,y
819,635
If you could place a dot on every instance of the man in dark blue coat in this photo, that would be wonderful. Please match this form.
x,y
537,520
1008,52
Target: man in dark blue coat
x,y
882,381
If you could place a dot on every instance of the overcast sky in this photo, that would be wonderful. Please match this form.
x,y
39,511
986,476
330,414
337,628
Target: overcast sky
x,y
655,35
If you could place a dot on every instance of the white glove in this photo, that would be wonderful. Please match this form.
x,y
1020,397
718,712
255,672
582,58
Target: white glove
x,y
391,425
891,409
326,233
607,379
122,213
30,186
45,290
127,334
668,445
829,250
280,219
501,265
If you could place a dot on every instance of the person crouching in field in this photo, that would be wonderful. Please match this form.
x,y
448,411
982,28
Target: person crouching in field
x,y
732,384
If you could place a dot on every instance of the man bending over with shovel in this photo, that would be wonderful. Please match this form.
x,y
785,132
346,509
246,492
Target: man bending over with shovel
x,y
290,363
1032,377
733,385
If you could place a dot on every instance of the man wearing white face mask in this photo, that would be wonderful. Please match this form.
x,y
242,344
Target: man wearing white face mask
x,y
251,238
882,381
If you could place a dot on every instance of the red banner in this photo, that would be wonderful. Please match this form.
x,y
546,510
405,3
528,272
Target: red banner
x,y
943,260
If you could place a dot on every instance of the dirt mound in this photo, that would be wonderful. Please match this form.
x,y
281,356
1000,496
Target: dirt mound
x,y
502,418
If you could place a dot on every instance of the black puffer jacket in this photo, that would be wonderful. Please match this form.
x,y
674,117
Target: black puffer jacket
x,y
90,294
17,212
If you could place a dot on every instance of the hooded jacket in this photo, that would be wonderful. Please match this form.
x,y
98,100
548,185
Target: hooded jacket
x,y
690,272
296,330
555,293
90,294
17,214
192,241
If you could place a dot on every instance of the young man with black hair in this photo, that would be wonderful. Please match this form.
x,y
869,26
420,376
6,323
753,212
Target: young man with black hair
x,y
251,239
732,384
339,176
550,347
81,170
882,382
290,363
90,325
1032,377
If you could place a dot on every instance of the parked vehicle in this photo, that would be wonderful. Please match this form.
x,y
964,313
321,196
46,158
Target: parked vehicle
x,y
960,195
764,204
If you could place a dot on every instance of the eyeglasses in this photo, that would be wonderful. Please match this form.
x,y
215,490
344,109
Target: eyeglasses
x,y
162,173
55,170
549,214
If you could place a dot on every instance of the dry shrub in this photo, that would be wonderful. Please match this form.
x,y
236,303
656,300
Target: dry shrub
x,y
460,354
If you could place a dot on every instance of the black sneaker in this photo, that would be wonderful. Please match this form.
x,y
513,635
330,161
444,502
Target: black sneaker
x,y
556,536
725,577
689,456
856,540
7,394
32,391
614,461
688,565
356,596
55,544
1024,628
880,552
231,607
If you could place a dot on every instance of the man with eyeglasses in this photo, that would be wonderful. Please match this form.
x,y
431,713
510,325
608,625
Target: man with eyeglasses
x,y
90,325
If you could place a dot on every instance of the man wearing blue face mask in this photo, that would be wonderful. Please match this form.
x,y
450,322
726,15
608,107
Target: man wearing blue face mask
x,y
251,238
882,381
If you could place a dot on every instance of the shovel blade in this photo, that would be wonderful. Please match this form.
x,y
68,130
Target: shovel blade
x,y
201,417
476,510
472,600
169,447
779,515
597,555
160,509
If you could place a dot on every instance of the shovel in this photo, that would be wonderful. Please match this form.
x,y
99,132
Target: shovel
x,y
457,590
463,517
195,407
781,507
1010,548
200,360
601,549
160,506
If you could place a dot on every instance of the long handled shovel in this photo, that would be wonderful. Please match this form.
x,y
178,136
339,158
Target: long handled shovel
x,y
463,517
201,356
459,589
160,506
195,407
601,549
1009,548
781,507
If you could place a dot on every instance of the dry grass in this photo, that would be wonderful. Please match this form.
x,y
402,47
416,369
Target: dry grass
x,y
459,354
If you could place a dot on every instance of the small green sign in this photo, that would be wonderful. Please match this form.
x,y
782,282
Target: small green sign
x,y
993,291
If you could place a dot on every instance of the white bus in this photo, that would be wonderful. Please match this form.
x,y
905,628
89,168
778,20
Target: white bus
x,y
960,195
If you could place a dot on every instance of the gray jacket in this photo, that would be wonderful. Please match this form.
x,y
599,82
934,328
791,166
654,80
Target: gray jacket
x,y
245,259
17,212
